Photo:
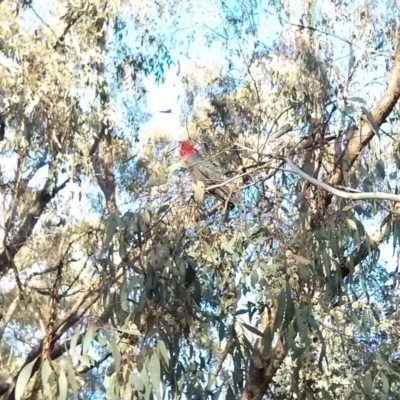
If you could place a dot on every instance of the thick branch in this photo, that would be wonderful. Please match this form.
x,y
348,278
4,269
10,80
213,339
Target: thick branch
x,y
262,371
362,136
42,199
264,367
283,131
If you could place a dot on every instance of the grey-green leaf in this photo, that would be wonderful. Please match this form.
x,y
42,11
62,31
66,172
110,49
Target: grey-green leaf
x,y
155,374
162,350
23,378
198,189
62,386
115,353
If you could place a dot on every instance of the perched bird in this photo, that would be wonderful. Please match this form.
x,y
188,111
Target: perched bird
x,y
203,170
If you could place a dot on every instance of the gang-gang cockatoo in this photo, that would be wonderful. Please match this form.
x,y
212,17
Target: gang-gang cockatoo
x,y
204,171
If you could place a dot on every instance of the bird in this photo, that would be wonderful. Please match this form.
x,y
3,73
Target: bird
x,y
204,171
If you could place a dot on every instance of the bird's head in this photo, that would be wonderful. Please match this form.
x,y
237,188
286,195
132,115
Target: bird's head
x,y
186,149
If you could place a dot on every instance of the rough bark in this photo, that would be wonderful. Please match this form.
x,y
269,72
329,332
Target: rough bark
x,y
360,137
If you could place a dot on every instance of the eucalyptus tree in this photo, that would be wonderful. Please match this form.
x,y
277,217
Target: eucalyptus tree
x,y
121,279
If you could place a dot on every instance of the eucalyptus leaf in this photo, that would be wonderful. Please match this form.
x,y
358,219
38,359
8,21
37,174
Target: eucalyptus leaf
x,y
23,379
199,190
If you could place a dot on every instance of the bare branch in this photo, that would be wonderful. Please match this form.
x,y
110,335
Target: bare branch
x,y
340,193
283,131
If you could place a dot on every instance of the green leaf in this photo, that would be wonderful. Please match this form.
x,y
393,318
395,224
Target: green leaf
x,y
309,168
74,341
326,395
115,353
160,177
45,372
355,319
72,381
253,330
367,384
357,100
198,189
380,167
302,326
128,392
155,374
221,331
122,249
23,378
101,340
254,278
373,125
347,208
289,312
396,157
351,59
136,382
385,385
174,167
144,377
124,295
162,350
351,224
349,109
248,345
229,247
86,341
112,225
210,381
62,386
85,360
281,309
112,388
230,395
364,323
163,209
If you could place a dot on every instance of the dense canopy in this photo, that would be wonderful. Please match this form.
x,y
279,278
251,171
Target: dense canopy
x,y
121,277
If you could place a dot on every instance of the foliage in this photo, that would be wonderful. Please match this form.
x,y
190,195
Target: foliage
x,y
119,280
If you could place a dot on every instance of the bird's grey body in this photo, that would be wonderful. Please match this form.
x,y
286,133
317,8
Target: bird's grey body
x,y
203,170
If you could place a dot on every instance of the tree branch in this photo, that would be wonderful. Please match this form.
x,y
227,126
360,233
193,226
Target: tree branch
x,y
363,135
341,193
263,367
42,199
